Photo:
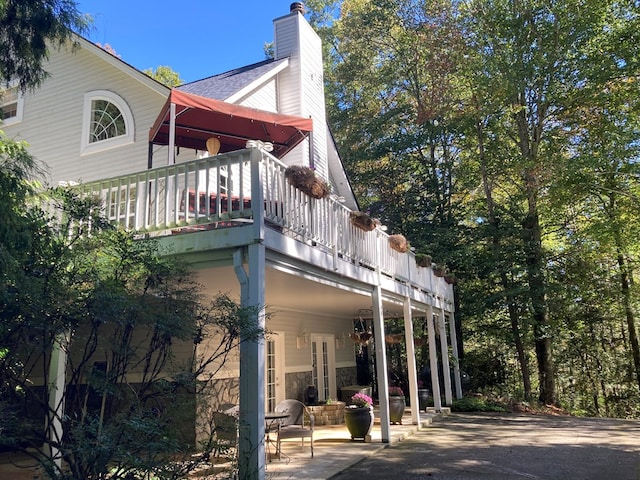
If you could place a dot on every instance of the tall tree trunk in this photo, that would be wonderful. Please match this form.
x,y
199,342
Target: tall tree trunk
x,y
537,287
506,286
529,133
625,289
628,310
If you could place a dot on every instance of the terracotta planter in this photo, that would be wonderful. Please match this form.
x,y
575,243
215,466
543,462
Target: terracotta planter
x,y
359,421
396,409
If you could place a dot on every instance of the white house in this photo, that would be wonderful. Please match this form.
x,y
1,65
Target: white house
x,y
232,214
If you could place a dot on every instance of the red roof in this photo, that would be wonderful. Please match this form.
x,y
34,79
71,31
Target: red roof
x,y
200,118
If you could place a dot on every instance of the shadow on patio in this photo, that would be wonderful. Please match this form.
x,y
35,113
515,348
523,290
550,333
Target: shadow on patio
x,y
334,450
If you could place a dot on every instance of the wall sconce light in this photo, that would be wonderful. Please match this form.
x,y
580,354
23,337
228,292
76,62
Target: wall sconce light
x,y
302,340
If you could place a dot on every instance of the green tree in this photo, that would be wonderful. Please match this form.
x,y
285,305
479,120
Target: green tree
x,y
165,75
142,344
27,29
464,125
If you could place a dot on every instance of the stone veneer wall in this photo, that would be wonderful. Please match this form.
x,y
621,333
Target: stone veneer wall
x,y
346,376
330,414
296,383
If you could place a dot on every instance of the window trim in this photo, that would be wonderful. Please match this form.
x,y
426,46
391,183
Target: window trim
x,y
17,118
86,147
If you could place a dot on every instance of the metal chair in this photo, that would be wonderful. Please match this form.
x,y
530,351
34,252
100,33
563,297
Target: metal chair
x,y
295,425
226,434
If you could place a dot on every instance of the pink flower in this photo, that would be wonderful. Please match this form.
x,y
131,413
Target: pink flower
x,y
396,392
361,400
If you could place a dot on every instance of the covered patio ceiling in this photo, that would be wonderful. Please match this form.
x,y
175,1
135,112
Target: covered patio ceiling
x,y
191,120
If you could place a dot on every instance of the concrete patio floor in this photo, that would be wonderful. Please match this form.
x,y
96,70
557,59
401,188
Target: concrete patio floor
x,y
334,450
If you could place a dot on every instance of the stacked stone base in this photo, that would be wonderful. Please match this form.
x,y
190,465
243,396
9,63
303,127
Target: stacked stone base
x,y
331,414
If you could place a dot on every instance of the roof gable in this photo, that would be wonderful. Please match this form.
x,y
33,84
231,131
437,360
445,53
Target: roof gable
x,y
226,85
120,64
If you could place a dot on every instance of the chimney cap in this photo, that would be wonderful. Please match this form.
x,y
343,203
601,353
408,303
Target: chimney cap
x,y
297,7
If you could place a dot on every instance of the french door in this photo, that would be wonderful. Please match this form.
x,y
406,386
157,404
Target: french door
x,y
274,370
323,365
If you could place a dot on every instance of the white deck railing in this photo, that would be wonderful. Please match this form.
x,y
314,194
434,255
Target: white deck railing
x,y
217,192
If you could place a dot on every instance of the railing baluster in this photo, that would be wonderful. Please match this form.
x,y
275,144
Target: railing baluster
x,y
159,199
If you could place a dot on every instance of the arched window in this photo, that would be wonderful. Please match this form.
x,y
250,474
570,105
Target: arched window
x,y
107,122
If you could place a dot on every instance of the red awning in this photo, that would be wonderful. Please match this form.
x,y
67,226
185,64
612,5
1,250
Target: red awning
x,y
199,118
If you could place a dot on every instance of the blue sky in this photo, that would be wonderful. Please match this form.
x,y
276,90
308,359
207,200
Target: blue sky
x,y
196,38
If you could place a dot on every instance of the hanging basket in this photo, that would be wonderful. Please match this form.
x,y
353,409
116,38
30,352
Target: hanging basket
x,y
361,338
399,243
305,179
418,342
394,338
362,221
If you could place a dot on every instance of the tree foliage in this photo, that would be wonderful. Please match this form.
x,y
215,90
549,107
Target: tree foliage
x,y
165,75
27,29
141,344
500,137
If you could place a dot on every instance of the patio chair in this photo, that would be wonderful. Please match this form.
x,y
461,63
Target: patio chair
x,y
295,425
226,434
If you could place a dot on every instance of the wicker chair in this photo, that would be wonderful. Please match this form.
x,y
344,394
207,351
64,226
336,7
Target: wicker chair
x,y
295,425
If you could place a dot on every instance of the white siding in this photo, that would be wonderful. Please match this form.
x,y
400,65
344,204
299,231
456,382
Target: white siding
x,y
296,323
264,98
300,87
52,122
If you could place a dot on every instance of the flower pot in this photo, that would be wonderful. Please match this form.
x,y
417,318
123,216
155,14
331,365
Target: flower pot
x,y
396,409
359,421
423,398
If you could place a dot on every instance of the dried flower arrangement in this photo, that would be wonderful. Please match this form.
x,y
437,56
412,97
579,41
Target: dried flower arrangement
x,y
305,179
363,221
399,243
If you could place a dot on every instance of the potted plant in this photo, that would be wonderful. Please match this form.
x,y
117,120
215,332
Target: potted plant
x,y
396,405
359,416
423,396
439,270
423,260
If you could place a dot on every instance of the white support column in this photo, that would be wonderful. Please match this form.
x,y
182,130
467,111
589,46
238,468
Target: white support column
x,y
381,364
411,362
444,349
257,195
171,158
57,384
455,354
251,457
433,361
